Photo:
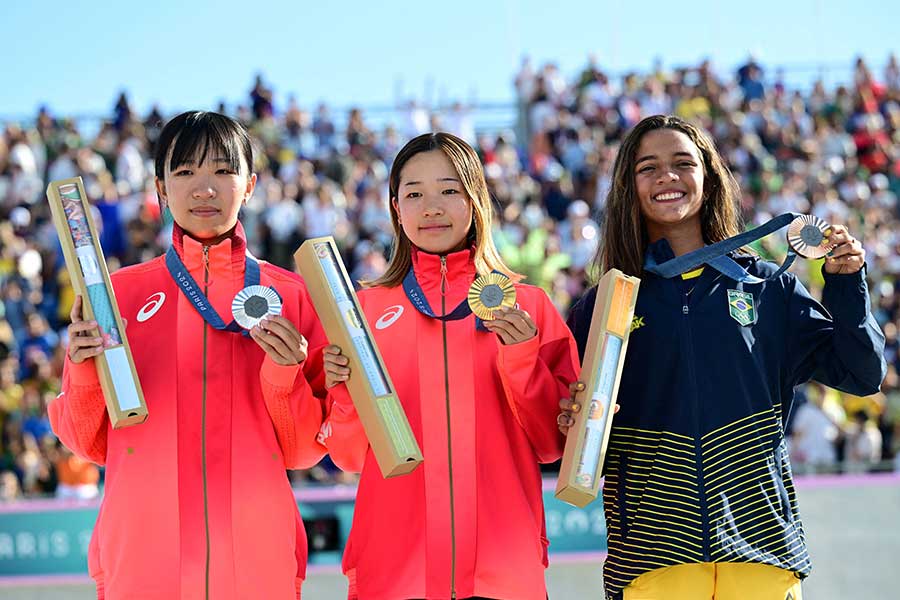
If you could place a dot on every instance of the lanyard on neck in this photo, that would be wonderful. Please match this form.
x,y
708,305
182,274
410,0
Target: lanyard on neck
x,y
417,298
716,255
198,299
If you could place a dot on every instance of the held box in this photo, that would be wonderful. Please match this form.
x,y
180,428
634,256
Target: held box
x,y
71,212
374,397
601,370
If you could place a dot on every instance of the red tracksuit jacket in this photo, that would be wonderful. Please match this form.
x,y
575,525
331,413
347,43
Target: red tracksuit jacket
x,y
197,504
470,520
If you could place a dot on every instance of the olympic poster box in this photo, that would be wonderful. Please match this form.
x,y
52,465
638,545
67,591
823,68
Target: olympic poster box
x,y
71,212
370,386
601,371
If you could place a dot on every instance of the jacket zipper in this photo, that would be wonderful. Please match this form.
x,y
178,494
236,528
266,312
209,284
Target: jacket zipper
x,y
701,488
203,421
449,439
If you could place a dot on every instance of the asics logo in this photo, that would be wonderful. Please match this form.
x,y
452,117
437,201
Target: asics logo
x,y
390,316
324,433
154,303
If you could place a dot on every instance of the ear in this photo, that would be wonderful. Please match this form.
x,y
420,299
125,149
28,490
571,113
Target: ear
x,y
396,206
160,191
251,185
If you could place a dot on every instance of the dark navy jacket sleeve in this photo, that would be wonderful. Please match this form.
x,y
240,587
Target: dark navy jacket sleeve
x,y
579,320
840,344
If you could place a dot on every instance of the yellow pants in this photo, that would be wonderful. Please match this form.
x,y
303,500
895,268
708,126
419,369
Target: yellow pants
x,y
715,581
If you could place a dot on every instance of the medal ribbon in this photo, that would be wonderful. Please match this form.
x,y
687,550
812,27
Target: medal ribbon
x,y
417,298
716,255
192,291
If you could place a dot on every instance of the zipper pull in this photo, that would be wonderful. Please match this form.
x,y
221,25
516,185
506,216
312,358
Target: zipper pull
x,y
684,307
206,263
443,276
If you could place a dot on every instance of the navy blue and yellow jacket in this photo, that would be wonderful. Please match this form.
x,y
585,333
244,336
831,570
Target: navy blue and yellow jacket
x,y
697,467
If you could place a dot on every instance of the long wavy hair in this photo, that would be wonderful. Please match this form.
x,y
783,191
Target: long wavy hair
x,y
625,239
471,174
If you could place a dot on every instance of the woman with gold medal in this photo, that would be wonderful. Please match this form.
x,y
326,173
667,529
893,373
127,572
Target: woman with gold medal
x,y
480,392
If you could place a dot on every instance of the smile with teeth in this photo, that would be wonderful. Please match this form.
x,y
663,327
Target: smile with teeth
x,y
669,196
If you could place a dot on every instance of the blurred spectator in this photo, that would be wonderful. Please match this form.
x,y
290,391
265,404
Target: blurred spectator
x,y
78,478
9,487
863,448
815,432
261,99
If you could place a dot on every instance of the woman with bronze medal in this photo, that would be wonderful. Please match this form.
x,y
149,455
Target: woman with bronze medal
x,y
197,502
698,491
478,390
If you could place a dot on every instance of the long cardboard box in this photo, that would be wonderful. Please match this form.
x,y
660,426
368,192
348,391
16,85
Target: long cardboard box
x,y
71,212
370,386
601,371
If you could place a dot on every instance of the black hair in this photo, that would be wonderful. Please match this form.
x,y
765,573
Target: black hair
x,y
195,133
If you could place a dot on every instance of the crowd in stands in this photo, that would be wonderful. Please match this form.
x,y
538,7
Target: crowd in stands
x,y
832,151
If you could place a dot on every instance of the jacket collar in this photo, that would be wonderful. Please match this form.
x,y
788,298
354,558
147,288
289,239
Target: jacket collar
x,y
229,254
427,267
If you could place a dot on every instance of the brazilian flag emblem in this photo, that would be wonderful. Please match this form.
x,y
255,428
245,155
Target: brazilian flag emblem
x,y
741,307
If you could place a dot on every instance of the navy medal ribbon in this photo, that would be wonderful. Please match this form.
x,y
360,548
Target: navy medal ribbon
x,y
417,298
716,255
192,291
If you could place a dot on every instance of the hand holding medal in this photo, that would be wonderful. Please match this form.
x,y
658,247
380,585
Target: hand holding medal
x,y
281,340
492,298
846,255
258,309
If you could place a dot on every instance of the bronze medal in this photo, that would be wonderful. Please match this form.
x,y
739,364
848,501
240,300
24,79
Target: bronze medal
x,y
806,236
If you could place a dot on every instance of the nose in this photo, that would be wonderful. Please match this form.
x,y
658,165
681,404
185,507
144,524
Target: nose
x,y
433,208
204,189
667,175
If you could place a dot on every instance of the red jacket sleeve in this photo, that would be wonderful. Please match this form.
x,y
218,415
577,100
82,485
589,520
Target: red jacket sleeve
x,y
78,415
343,432
295,412
294,397
536,374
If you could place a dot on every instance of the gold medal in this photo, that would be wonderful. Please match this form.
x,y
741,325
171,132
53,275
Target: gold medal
x,y
806,236
254,303
490,292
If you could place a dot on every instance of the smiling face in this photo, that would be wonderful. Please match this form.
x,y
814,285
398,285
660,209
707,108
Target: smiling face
x,y
668,176
434,209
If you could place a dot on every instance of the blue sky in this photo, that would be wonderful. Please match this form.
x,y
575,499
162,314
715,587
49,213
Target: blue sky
x,y
76,56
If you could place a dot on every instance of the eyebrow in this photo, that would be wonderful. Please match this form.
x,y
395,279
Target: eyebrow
x,y
441,179
654,157
193,162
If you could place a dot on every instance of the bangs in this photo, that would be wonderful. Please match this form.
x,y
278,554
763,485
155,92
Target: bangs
x,y
204,135
195,144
